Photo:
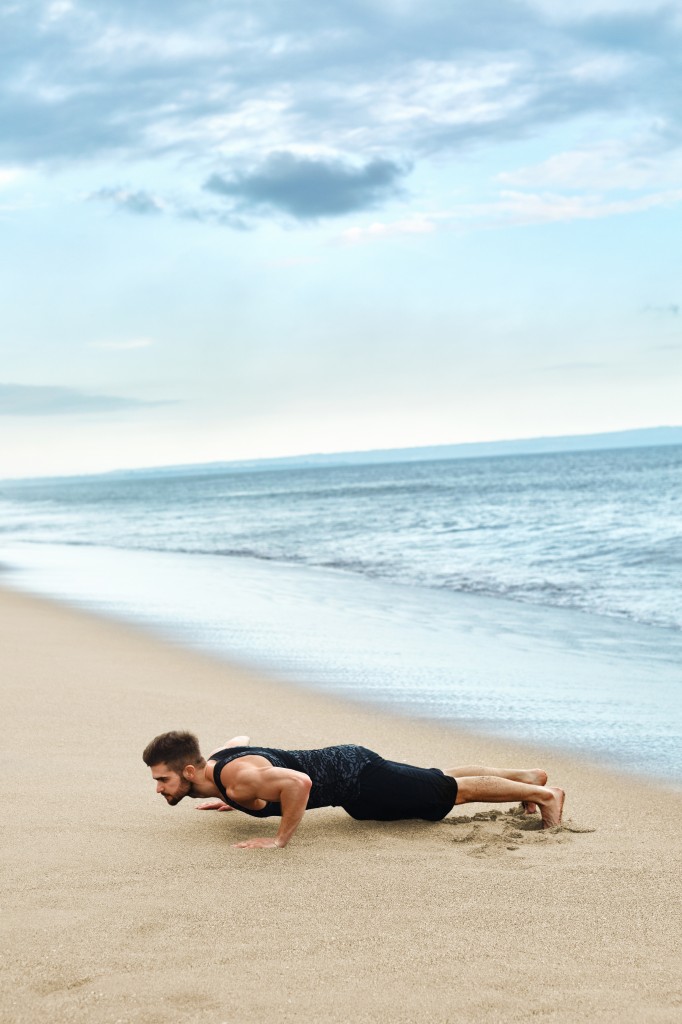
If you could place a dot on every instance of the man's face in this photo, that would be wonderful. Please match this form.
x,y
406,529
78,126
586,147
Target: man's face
x,y
172,785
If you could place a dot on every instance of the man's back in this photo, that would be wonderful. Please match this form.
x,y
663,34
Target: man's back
x,y
334,771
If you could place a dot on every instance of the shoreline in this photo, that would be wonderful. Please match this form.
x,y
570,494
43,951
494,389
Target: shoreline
x,y
122,909
558,679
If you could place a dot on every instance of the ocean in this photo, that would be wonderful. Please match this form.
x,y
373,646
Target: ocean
x,y
536,596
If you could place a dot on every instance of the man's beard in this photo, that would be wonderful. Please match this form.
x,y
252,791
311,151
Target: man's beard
x,y
189,790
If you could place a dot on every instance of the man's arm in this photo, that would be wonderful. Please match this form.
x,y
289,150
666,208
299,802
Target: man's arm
x,y
283,785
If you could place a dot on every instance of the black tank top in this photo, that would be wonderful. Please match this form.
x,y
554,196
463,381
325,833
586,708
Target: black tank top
x,y
334,771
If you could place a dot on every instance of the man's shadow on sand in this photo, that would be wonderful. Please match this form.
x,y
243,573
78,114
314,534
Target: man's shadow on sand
x,y
486,834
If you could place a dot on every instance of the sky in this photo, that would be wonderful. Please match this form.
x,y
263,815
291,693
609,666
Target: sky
x,y
249,229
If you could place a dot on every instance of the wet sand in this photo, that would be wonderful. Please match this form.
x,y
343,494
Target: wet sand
x,y
120,909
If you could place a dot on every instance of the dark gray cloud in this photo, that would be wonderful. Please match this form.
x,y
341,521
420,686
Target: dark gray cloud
x,y
34,400
307,188
139,201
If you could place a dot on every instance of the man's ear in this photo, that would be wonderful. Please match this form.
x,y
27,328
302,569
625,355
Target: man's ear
x,y
189,772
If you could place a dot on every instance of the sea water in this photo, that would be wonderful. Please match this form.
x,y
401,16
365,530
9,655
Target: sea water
x,y
535,596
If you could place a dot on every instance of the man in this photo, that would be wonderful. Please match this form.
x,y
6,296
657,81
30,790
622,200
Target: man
x,y
264,781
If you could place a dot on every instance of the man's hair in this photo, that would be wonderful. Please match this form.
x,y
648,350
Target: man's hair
x,y
176,749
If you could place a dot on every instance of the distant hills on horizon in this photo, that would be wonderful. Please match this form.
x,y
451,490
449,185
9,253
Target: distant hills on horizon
x,y
645,437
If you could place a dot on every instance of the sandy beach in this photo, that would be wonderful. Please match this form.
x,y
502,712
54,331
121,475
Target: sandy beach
x,y
120,909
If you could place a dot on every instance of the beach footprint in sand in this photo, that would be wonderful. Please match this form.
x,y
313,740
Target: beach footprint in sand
x,y
496,833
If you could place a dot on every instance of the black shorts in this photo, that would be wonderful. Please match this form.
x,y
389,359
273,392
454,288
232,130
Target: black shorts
x,y
390,791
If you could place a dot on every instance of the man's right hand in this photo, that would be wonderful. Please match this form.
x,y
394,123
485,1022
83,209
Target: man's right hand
x,y
214,805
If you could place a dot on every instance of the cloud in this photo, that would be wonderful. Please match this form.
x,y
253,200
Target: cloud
x,y
416,225
219,79
526,208
54,10
608,165
213,215
315,109
598,10
579,9
139,202
143,203
520,209
671,309
8,175
637,30
307,188
33,400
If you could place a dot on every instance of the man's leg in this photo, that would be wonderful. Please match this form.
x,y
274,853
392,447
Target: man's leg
x,y
496,789
533,776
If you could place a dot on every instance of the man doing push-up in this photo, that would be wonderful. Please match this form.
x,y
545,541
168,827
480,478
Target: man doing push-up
x,y
265,782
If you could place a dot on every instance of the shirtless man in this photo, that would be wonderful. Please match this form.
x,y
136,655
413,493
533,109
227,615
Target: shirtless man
x,y
264,781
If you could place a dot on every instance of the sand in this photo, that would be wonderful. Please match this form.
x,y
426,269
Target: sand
x,y
119,909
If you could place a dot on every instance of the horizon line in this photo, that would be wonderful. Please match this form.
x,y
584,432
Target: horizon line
x,y
498,448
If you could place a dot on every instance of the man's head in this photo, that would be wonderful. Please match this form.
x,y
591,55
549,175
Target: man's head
x,y
175,759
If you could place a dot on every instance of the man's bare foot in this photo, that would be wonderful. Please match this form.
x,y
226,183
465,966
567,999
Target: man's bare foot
x,y
535,777
552,809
